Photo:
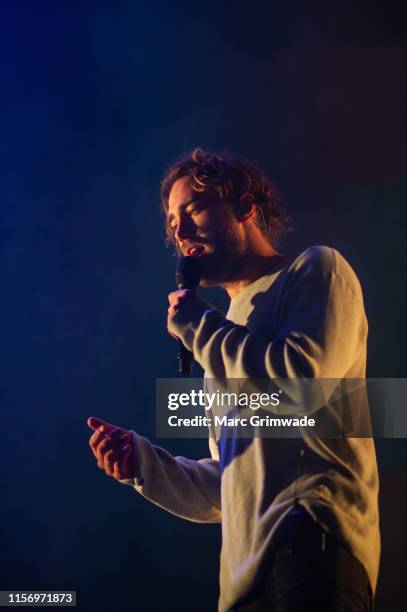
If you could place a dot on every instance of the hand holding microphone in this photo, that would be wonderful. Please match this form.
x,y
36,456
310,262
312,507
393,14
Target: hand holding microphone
x,y
187,278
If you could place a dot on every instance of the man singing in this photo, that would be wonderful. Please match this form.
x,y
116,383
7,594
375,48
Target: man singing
x,y
299,517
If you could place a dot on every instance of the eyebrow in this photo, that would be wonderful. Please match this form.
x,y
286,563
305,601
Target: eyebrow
x,y
183,206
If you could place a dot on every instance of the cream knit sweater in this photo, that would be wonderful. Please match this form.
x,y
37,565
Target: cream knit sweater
x,y
305,320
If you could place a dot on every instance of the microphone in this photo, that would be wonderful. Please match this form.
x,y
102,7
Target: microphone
x,y
187,276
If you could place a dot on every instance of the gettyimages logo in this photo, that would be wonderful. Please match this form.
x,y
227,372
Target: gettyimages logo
x,y
327,408
207,400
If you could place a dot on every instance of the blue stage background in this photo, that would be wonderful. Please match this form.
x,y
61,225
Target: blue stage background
x,y
97,100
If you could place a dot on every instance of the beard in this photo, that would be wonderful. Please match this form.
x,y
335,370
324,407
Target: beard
x,y
224,261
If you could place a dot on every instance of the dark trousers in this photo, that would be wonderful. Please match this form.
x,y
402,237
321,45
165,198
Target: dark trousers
x,y
310,572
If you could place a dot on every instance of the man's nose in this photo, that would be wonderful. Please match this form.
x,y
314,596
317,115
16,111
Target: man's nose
x,y
185,229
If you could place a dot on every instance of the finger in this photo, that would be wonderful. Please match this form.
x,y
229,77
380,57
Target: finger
x,y
113,456
106,461
96,423
172,306
181,294
100,452
122,467
99,435
95,439
173,297
103,447
107,445
171,311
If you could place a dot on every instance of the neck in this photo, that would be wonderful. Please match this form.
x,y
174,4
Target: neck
x,y
253,267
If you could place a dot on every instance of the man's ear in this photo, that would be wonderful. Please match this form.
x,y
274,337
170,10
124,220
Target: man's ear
x,y
245,207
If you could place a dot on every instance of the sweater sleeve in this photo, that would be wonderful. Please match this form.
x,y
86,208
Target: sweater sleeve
x,y
187,488
320,331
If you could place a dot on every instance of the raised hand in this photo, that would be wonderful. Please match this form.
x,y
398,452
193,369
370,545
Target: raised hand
x,y
112,448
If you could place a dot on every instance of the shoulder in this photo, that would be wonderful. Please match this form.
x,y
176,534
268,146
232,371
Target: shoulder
x,y
323,262
321,257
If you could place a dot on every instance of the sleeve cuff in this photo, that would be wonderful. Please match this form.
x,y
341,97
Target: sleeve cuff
x,y
137,480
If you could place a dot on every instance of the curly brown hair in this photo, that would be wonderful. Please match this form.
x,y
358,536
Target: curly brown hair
x,y
230,176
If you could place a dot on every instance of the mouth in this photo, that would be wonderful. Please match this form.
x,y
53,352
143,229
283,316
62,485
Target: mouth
x,y
195,251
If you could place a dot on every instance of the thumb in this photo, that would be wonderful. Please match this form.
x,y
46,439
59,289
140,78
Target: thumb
x,y
94,423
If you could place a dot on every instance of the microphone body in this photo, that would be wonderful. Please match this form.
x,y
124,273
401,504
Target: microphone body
x,y
187,276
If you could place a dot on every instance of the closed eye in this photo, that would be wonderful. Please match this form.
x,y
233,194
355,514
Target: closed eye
x,y
196,208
